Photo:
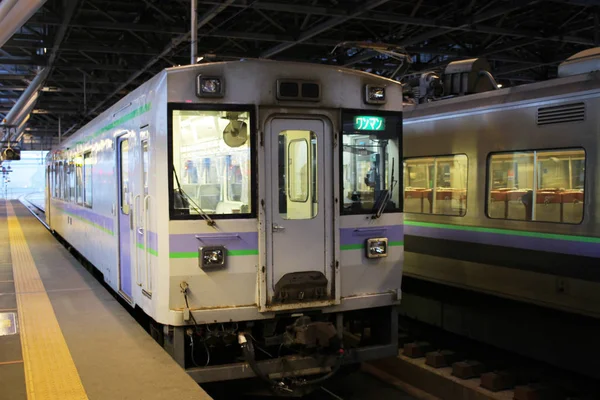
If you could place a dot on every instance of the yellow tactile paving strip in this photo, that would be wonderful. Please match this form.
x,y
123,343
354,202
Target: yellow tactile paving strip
x,y
50,372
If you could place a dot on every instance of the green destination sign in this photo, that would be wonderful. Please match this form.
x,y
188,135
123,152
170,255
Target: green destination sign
x,y
369,123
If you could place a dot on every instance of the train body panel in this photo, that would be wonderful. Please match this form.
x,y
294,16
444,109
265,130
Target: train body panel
x,y
535,141
249,202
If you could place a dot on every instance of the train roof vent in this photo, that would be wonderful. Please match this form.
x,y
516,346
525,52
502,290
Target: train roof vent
x,y
580,63
298,90
572,112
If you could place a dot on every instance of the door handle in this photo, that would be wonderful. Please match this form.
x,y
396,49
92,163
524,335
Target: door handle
x,y
140,231
278,228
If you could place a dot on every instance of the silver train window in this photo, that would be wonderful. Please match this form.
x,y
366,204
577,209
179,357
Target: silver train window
x,y
554,178
79,178
87,179
371,162
212,162
436,185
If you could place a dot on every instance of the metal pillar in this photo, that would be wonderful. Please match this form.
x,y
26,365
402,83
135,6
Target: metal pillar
x,y
5,7
194,32
26,96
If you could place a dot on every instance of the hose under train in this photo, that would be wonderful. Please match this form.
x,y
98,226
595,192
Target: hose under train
x,y
250,357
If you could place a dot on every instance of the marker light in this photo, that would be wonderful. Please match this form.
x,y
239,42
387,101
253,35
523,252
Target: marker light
x,y
377,247
211,257
375,94
209,86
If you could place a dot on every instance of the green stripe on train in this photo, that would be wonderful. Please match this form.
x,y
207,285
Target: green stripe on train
x,y
129,116
150,251
87,221
361,246
232,253
541,235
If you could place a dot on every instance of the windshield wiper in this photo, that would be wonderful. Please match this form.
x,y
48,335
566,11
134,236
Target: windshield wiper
x,y
194,206
387,195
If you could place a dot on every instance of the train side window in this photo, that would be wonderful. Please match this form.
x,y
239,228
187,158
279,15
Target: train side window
x,y
124,170
65,178
87,179
212,163
145,165
55,186
58,183
436,185
79,179
537,185
71,171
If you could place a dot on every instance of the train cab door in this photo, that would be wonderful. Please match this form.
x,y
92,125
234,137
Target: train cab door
x,y
125,213
299,216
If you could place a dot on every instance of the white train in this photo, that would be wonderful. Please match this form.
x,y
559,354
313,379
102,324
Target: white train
x,y
255,202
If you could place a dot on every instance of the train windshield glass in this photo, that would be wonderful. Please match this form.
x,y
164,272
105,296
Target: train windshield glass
x,y
212,162
371,162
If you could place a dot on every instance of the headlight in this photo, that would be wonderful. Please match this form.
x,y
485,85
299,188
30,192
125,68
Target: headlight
x,y
374,94
377,247
208,86
213,256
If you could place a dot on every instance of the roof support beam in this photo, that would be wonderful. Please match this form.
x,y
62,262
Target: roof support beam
x,y
468,25
270,20
322,28
442,31
174,43
60,35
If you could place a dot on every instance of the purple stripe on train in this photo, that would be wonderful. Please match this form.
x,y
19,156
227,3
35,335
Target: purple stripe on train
x,y
508,240
87,214
348,236
249,240
233,241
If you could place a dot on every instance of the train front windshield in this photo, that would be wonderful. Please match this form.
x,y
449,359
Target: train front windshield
x,y
371,161
211,162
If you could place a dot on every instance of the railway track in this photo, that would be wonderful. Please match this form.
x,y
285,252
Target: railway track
x,y
36,210
352,384
451,367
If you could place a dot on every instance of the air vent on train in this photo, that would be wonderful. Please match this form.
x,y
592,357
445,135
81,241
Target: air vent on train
x,y
572,112
298,90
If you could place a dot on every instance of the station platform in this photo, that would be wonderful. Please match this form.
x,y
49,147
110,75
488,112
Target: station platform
x,y
63,335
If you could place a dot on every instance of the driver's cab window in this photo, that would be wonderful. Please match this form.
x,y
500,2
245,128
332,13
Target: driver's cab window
x,y
371,163
211,162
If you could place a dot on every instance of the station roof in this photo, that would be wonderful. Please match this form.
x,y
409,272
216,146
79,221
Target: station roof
x,y
99,50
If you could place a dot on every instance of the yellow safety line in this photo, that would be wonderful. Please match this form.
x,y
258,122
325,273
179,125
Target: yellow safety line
x,y
50,372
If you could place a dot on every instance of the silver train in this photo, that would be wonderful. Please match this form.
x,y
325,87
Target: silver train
x,y
251,209
500,186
